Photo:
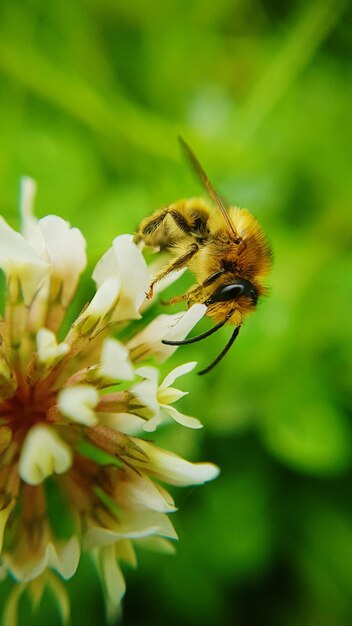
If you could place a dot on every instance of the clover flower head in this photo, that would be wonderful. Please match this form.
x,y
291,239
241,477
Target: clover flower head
x,y
74,409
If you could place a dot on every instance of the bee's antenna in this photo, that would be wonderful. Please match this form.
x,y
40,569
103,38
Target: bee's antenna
x,y
222,354
196,166
186,342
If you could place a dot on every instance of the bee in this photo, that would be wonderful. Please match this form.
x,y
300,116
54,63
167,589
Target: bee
x,y
226,250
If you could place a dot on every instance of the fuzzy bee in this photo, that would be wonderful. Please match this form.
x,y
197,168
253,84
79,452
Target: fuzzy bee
x,y
226,250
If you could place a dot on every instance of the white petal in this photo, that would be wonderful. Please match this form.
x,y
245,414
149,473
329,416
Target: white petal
x,y
39,306
152,424
19,260
175,470
115,361
146,394
64,556
175,327
104,298
169,395
114,582
48,348
132,526
152,334
148,341
125,551
126,423
177,372
180,418
157,544
106,268
125,261
190,318
43,453
77,403
139,492
30,225
65,247
135,277
150,373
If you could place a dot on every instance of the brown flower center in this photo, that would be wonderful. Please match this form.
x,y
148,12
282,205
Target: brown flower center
x,y
27,407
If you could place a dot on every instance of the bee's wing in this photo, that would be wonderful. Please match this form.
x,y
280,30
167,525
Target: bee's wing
x,y
191,157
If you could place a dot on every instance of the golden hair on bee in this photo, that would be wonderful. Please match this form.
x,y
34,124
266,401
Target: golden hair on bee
x,y
226,250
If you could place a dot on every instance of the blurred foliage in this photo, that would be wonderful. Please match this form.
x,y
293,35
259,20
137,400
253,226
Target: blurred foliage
x,y
92,96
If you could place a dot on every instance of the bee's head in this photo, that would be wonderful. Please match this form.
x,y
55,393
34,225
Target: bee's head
x,y
241,291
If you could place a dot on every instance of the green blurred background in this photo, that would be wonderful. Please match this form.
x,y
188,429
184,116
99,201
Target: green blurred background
x,y
93,95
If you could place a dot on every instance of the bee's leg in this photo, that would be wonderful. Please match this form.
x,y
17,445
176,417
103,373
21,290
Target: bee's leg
x,y
195,292
175,299
172,266
181,221
149,226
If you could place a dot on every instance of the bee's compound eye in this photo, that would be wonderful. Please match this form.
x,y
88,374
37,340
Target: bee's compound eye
x,y
227,292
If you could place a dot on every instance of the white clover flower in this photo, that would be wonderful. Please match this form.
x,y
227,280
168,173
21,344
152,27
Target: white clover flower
x,y
154,401
72,451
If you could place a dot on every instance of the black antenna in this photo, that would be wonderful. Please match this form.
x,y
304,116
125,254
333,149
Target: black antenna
x,y
222,354
186,342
